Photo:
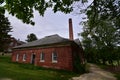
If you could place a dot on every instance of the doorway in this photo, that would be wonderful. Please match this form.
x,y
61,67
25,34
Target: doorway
x,y
32,58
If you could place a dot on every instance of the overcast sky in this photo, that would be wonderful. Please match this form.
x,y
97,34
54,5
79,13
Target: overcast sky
x,y
51,23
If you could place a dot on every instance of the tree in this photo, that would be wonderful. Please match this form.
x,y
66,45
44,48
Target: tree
x,y
31,37
23,9
5,28
103,29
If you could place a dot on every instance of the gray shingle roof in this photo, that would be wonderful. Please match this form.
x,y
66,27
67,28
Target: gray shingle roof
x,y
77,41
53,39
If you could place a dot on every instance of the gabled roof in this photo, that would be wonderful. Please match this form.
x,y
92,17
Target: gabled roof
x,y
52,39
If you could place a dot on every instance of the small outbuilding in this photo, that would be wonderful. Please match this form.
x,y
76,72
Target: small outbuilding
x,y
51,51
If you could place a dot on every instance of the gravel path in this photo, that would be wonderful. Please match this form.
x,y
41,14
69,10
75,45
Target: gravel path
x,y
95,73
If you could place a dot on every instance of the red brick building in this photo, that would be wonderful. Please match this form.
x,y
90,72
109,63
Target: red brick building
x,y
51,52
13,42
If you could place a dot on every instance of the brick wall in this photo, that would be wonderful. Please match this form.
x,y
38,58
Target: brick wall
x,y
64,57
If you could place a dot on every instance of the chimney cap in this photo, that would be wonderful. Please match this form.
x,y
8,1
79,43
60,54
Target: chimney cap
x,y
70,19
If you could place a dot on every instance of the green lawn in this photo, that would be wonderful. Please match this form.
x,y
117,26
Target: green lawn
x,y
117,75
17,71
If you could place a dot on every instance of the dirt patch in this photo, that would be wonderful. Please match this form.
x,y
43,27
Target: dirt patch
x,y
95,73
5,79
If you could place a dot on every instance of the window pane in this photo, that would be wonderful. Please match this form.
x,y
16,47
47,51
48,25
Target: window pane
x,y
24,57
17,57
42,57
54,57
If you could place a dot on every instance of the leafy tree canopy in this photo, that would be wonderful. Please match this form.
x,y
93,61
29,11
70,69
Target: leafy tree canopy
x,y
103,22
23,9
31,37
5,28
101,35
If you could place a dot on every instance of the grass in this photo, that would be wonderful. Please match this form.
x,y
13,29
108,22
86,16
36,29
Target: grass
x,y
18,71
116,74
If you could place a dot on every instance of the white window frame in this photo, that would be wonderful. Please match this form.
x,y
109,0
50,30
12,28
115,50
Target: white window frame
x,y
42,57
24,57
17,57
54,55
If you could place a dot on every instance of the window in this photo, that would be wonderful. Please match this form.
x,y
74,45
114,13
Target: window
x,y
24,57
54,57
17,57
42,57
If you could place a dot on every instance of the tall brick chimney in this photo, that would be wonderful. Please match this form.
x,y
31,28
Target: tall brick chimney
x,y
70,29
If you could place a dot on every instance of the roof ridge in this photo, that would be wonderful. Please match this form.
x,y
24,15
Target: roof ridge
x,y
52,39
52,35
